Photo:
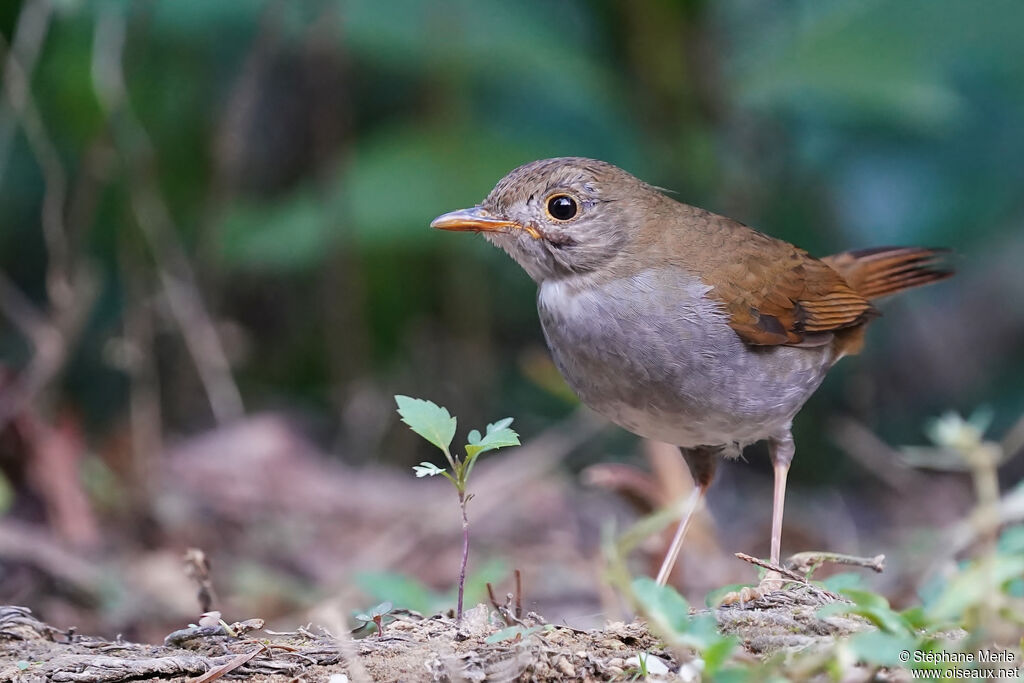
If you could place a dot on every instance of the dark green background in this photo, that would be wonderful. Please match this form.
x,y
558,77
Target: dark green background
x,y
302,149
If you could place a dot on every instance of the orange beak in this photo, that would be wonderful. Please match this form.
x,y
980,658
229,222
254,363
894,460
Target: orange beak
x,y
478,219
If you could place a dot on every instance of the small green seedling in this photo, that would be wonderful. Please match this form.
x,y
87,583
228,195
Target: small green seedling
x,y
436,425
376,616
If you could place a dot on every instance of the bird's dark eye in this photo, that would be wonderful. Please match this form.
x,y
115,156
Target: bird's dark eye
x,y
562,207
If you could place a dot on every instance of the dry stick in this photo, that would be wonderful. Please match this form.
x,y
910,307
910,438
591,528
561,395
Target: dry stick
x,y
809,561
490,596
789,574
29,34
70,301
334,615
154,221
138,360
50,341
877,458
197,568
19,96
519,594
1013,440
216,672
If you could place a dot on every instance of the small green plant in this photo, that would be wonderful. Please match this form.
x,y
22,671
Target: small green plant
x,y
435,424
376,616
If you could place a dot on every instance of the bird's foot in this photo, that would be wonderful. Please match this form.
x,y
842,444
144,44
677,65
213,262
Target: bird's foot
x,y
770,583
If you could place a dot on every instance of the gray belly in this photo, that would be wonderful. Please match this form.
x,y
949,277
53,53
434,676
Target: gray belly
x,y
653,354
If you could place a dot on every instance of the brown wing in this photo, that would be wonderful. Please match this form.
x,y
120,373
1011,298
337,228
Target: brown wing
x,y
778,294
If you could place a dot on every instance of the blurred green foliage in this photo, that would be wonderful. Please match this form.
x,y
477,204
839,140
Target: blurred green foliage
x,y
302,149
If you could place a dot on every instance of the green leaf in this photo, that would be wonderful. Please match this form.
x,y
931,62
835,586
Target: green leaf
x,y
882,617
863,598
664,607
400,590
883,649
293,233
1011,542
737,675
972,586
498,435
838,583
381,609
429,420
717,653
872,607
427,469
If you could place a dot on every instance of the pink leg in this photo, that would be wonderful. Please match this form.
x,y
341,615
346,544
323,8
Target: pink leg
x,y
692,503
778,503
781,451
701,461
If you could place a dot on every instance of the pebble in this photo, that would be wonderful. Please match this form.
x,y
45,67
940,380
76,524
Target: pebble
x,y
655,665
565,668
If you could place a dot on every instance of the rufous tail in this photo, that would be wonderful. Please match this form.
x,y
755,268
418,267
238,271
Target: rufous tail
x,y
878,272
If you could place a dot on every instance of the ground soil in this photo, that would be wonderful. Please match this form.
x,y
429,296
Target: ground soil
x,y
411,648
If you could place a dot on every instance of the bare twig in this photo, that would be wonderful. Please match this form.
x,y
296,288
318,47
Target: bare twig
x,y
70,290
1013,441
154,220
519,593
218,671
333,614
35,546
808,562
816,592
494,600
55,182
787,573
49,337
29,34
877,458
137,358
197,567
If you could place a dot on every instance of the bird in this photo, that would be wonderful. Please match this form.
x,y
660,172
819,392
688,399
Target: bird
x,y
681,325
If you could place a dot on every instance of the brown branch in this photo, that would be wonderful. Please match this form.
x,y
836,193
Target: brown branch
x,y
877,458
70,292
218,671
19,65
197,568
787,573
35,546
49,336
519,594
154,220
809,561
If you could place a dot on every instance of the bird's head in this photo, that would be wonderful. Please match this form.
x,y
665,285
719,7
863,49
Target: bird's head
x,y
558,217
